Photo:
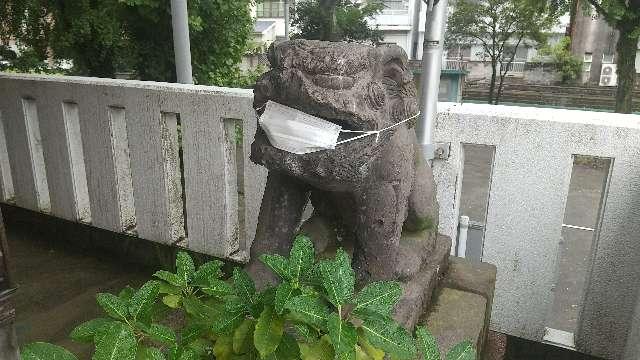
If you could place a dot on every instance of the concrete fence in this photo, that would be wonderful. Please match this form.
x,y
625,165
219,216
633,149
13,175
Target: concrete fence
x,y
169,163
530,178
166,162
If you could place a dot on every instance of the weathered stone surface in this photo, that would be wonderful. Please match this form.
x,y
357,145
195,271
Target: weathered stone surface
x,y
367,188
365,193
457,316
476,278
418,290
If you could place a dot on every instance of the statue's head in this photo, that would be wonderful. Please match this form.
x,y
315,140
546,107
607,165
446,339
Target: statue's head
x,y
357,86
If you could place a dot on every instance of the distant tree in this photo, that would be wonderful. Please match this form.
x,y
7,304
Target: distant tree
x,y
624,16
569,65
337,20
500,27
103,37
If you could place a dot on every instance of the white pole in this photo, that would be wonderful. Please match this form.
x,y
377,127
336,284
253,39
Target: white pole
x,y
430,80
286,19
415,29
462,236
181,44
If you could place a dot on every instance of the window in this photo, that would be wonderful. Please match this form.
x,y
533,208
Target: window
x,y
270,9
588,59
396,7
607,58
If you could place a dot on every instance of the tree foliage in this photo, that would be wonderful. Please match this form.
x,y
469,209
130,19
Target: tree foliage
x,y
337,20
104,37
500,27
624,16
569,65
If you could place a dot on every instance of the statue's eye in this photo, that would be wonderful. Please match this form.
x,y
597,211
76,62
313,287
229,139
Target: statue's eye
x,y
394,70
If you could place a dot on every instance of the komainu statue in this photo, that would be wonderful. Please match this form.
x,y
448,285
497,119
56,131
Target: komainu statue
x,y
375,194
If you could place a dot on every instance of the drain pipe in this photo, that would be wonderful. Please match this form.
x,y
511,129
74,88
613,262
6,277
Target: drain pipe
x,y
430,80
462,236
181,44
415,29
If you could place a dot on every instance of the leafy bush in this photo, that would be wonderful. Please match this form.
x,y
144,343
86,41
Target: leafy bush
x,y
568,65
313,314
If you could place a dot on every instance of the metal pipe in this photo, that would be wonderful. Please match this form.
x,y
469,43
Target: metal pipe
x,y
181,44
462,236
286,19
415,29
430,80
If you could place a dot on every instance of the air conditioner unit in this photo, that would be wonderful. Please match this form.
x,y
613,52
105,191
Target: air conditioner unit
x,y
608,75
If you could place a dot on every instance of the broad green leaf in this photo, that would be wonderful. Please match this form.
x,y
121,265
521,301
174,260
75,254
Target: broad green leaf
x,y
463,351
287,349
227,322
243,337
126,293
195,307
217,288
338,278
245,289
372,352
306,332
118,342
308,309
172,301
86,331
385,334
278,264
150,353
163,334
44,351
318,350
343,337
143,299
201,347
171,278
188,354
379,297
361,354
268,332
166,288
301,257
427,344
223,349
207,272
113,305
283,293
185,268
192,331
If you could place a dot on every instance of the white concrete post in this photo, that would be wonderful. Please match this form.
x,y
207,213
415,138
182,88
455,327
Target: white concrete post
x,y
286,19
181,43
430,80
462,236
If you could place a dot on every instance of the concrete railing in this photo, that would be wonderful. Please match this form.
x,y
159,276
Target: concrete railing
x,y
166,162
529,186
170,164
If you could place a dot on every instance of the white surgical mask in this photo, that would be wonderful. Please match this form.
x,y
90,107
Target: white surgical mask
x,y
297,132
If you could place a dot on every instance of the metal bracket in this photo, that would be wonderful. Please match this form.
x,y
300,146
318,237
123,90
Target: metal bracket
x,y
442,151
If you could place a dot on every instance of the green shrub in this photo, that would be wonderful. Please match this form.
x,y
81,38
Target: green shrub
x,y
313,314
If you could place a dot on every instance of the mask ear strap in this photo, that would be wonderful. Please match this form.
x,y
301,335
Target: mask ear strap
x,y
376,132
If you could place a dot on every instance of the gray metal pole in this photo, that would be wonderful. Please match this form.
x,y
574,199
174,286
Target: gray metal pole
x,y
430,80
181,44
286,19
415,29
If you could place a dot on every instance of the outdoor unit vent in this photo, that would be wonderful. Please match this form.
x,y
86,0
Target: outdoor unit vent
x,y
608,76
